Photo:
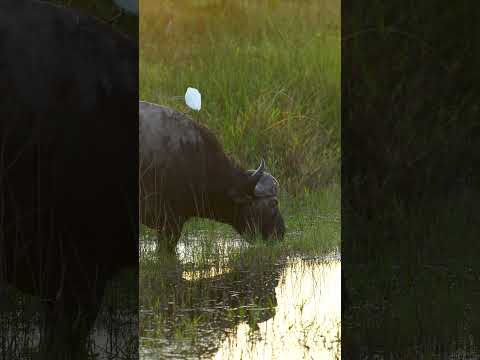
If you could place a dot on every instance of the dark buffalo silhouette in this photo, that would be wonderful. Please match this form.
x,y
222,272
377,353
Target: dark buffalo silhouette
x,y
185,173
68,163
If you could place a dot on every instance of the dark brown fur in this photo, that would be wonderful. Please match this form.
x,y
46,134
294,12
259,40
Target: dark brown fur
x,y
197,179
68,127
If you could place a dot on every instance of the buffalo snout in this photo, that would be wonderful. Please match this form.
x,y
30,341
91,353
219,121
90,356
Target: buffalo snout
x,y
264,217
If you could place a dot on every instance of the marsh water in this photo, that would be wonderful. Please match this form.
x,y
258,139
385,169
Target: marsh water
x,y
256,306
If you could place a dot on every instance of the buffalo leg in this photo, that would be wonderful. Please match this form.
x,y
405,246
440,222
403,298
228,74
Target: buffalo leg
x,y
168,237
69,322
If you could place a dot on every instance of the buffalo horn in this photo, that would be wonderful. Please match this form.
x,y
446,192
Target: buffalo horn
x,y
255,177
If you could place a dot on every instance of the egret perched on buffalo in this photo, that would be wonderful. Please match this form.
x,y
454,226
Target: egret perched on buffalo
x,y
193,99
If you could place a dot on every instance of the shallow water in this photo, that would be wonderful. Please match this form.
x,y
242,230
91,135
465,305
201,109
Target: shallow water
x,y
306,324
254,309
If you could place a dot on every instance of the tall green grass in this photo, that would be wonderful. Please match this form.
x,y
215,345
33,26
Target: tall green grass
x,y
416,297
408,186
269,74
313,224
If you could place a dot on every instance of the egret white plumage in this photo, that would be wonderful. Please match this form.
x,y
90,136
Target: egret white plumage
x,y
193,99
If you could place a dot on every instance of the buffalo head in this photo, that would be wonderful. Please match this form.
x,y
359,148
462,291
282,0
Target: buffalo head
x,y
255,198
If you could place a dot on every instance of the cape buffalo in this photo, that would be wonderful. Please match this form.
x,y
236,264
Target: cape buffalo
x,y
185,173
68,163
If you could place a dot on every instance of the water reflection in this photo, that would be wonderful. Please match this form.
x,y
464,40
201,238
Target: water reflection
x,y
306,324
182,318
114,335
190,248
254,307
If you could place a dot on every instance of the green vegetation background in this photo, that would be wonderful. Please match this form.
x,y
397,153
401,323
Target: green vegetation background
x,y
268,72
410,194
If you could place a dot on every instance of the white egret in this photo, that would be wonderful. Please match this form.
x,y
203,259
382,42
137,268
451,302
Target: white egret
x,y
193,99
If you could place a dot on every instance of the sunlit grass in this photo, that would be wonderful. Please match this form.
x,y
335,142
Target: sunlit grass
x,y
269,74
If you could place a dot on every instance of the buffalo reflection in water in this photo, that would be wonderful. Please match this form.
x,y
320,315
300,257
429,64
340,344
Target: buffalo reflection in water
x,y
176,311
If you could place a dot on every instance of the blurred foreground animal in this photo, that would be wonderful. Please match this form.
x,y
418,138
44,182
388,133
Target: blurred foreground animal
x,y
68,196
185,173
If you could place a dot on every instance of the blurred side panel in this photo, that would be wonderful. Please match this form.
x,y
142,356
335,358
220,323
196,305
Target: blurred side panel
x,y
410,184
68,180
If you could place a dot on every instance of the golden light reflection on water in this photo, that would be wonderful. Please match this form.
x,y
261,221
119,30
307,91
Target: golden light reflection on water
x,y
197,275
306,324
